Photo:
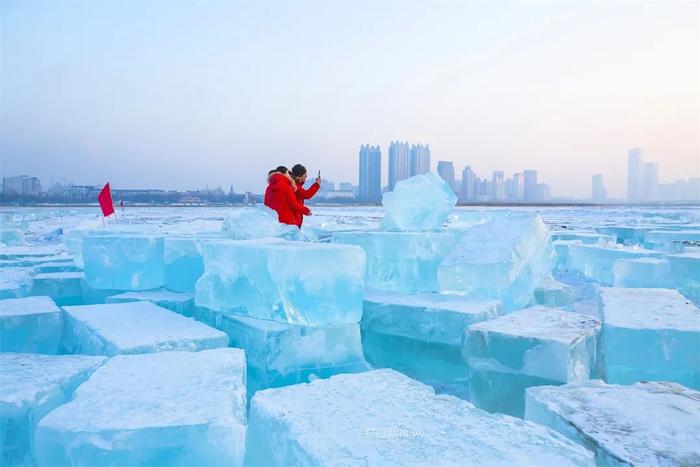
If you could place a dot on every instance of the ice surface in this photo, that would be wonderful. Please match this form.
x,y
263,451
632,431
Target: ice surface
x,y
551,292
183,263
668,238
382,417
404,262
134,327
422,202
597,262
169,408
650,424
278,354
179,302
587,238
535,346
31,385
124,262
65,288
642,272
650,335
31,324
503,259
301,283
253,223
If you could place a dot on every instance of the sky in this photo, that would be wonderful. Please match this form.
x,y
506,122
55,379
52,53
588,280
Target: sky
x,y
187,94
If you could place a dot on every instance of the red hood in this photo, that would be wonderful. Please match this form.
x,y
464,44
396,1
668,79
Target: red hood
x,y
279,182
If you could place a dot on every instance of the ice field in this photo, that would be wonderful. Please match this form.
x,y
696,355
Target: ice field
x,y
415,334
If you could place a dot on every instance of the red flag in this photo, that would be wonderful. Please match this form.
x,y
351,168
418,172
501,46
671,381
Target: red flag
x,y
105,200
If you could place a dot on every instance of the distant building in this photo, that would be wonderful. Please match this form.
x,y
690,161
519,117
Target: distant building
x,y
468,184
544,193
515,188
498,186
446,170
327,185
399,163
420,159
634,174
650,182
370,173
531,189
599,193
345,186
22,185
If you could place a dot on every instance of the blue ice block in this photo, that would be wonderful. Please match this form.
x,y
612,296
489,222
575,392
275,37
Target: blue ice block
x,y
642,272
169,408
56,266
279,354
672,239
12,237
642,424
597,262
531,347
561,248
585,237
31,324
685,268
422,202
255,223
65,288
650,335
503,259
179,302
31,386
301,283
405,262
15,282
124,261
550,292
134,327
382,417
625,234
183,263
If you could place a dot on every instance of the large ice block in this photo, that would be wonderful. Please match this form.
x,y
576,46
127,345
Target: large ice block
x,y
650,424
650,335
642,272
625,234
279,354
134,327
685,272
179,302
422,202
182,257
597,262
561,248
550,292
673,238
169,408
65,288
31,324
405,262
32,385
531,347
382,417
19,252
124,261
315,284
15,282
12,237
254,223
585,237
56,266
503,259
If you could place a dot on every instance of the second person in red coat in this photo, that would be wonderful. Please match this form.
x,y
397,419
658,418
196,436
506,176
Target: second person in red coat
x,y
299,175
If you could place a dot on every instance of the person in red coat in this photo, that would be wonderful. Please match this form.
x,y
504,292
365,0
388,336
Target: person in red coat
x,y
299,175
280,197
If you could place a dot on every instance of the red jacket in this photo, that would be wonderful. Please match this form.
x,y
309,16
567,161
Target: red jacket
x,y
303,194
279,196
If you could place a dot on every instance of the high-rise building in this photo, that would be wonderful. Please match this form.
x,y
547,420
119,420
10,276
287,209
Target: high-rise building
x,y
599,193
650,182
515,188
531,190
544,193
420,159
21,185
399,162
370,173
468,184
446,170
635,161
498,186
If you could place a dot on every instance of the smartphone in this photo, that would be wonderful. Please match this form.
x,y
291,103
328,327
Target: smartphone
x,y
319,174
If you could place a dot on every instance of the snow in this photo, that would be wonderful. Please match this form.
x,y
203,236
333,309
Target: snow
x,y
169,408
422,202
381,417
134,327
650,424
31,324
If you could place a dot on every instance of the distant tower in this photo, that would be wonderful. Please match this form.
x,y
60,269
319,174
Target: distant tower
x,y
650,182
599,193
446,170
420,159
498,186
517,192
370,173
399,162
634,174
531,190
468,184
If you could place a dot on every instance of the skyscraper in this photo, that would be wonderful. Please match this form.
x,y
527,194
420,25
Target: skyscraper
x,y
420,159
446,170
498,186
650,182
468,184
531,190
516,191
370,173
599,193
634,174
399,162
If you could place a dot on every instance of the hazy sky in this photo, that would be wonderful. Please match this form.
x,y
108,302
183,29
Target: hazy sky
x,y
191,93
